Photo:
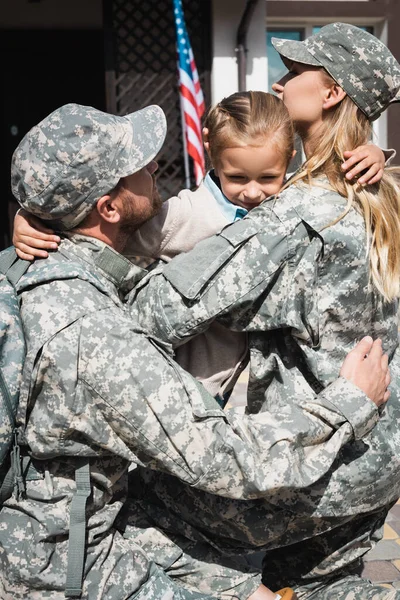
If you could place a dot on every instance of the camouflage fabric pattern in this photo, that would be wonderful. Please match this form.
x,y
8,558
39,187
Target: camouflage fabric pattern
x,y
77,332
347,588
95,384
77,154
346,582
12,354
360,63
302,293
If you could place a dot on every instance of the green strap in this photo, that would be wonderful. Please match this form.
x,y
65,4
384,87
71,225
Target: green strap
x,y
111,263
12,266
21,470
26,471
7,258
16,271
77,532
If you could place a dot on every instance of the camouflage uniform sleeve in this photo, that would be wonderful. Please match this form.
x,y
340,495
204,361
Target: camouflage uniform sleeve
x,y
220,275
233,272
153,410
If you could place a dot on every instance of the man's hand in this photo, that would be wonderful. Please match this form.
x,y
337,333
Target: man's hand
x,y
367,367
31,238
367,162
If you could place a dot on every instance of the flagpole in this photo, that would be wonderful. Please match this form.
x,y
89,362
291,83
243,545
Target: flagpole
x,y
184,144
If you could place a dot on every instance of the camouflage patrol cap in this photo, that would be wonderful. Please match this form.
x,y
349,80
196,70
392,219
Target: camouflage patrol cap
x,y
77,154
361,64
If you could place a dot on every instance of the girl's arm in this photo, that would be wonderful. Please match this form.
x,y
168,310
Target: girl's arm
x,y
31,238
182,222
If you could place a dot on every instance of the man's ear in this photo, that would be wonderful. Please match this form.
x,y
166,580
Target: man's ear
x,y
107,207
333,96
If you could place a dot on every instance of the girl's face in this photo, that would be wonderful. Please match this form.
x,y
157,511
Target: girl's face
x,y
303,90
249,174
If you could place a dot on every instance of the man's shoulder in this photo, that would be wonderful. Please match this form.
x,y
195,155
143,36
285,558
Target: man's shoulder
x,y
69,264
56,292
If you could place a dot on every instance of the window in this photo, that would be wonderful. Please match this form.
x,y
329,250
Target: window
x,y
369,29
276,68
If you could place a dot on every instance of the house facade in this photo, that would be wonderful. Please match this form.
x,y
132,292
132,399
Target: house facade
x,y
119,55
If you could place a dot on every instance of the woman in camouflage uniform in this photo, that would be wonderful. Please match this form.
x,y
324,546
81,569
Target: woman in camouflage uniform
x,y
305,274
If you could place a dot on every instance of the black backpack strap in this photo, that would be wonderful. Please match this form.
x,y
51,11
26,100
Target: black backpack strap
x,y
77,531
7,486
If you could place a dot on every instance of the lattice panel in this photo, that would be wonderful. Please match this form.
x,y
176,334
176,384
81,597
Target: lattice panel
x,y
146,72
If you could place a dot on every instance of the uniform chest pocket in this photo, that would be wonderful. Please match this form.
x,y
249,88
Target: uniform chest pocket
x,y
190,273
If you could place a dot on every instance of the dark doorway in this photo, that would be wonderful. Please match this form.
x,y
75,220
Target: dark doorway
x,y
142,69
41,70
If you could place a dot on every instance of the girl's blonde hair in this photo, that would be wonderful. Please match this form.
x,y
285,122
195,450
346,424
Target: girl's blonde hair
x,y
346,128
248,118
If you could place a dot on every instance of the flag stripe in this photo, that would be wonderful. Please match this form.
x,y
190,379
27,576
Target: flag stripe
x,y
190,126
190,93
190,113
194,140
194,154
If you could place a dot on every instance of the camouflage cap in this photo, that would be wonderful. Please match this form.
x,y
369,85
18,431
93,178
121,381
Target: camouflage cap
x,y
77,154
361,64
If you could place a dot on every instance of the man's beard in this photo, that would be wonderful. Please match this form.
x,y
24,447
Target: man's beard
x,y
131,220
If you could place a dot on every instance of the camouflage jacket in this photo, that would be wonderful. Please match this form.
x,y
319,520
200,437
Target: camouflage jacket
x,y
301,290
96,385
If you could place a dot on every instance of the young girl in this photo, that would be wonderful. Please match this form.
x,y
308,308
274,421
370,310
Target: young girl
x,y
249,138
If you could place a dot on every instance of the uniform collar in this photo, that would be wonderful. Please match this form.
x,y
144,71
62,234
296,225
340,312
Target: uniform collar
x,y
115,267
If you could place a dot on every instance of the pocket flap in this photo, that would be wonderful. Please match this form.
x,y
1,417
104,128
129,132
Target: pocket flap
x,y
240,231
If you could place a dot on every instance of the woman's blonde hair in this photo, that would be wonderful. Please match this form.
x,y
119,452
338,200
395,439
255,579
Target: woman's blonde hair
x,y
248,118
346,128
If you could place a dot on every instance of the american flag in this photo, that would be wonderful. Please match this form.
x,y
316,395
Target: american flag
x,y
191,95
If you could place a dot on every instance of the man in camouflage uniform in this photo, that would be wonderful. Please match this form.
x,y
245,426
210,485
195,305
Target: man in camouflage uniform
x,y
302,292
98,391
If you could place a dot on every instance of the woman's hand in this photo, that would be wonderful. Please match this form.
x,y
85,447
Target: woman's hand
x,y
367,367
31,238
367,161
